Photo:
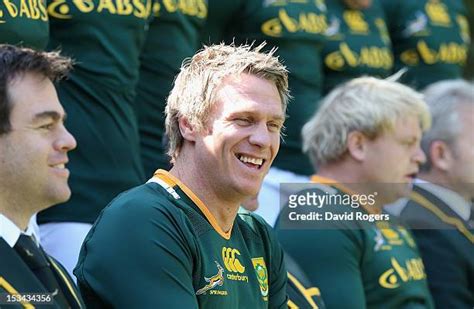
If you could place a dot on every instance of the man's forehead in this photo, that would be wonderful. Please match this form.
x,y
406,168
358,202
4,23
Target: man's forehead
x,y
408,126
246,96
33,97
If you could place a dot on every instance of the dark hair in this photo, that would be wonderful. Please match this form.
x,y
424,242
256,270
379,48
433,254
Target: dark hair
x,y
17,61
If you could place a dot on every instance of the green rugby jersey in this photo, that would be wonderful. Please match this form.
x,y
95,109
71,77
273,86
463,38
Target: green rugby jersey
x,y
174,35
358,264
158,246
105,38
24,23
357,44
430,38
297,29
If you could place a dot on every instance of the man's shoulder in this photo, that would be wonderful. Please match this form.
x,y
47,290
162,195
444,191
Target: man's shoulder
x,y
142,206
14,273
422,210
144,198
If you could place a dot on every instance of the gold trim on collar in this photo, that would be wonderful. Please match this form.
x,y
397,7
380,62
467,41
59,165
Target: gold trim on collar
x,y
173,181
66,280
424,202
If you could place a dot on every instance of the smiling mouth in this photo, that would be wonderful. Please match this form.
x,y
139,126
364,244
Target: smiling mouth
x,y
60,166
251,161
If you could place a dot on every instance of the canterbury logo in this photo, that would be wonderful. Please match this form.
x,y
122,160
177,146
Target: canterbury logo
x,y
229,256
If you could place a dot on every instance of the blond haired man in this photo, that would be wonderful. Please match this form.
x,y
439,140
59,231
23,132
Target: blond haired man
x,y
365,144
178,241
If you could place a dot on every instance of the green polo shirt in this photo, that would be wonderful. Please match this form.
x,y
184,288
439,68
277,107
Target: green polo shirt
x,y
174,35
357,44
105,39
24,23
430,38
158,246
297,29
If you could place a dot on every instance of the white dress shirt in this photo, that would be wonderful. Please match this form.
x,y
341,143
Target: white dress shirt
x,y
11,232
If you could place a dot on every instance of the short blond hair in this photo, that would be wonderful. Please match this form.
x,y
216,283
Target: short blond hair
x,y
365,104
196,85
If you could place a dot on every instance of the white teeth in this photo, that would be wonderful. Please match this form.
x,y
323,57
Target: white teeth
x,y
251,160
59,165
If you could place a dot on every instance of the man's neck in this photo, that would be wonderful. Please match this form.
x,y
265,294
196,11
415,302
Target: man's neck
x,y
350,182
224,211
440,180
21,219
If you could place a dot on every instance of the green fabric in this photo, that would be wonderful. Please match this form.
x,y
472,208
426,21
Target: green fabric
x,y
173,36
24,23
296,28
358,264
357,44
154,249
430,38
105,38
221,15
301,295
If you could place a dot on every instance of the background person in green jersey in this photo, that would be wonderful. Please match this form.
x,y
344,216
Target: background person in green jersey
x,y
357,43
24,23
34,146
440,208
105,39
178,239
174,35
430,37
297,29
364,139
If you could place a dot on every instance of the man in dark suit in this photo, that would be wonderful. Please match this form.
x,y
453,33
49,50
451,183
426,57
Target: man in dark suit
x,y
440,208
33,153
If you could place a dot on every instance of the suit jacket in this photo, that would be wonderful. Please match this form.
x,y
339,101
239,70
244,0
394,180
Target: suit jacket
x,y
446,243
16,277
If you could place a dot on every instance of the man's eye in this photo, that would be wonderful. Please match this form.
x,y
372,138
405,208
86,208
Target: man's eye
x,y
409,143
48,126
273,126
243,121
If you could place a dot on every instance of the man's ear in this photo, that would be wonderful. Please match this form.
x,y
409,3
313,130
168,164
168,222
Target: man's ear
x,y
356,145
441,155
187,130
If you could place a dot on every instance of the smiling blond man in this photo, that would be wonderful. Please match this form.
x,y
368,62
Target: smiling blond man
x,y
178,241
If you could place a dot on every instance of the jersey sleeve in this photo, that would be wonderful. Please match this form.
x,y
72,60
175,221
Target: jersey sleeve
x,y
300,292
330,260
137,255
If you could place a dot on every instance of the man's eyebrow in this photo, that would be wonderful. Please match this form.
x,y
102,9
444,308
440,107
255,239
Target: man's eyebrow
x,y
277,117
49,114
